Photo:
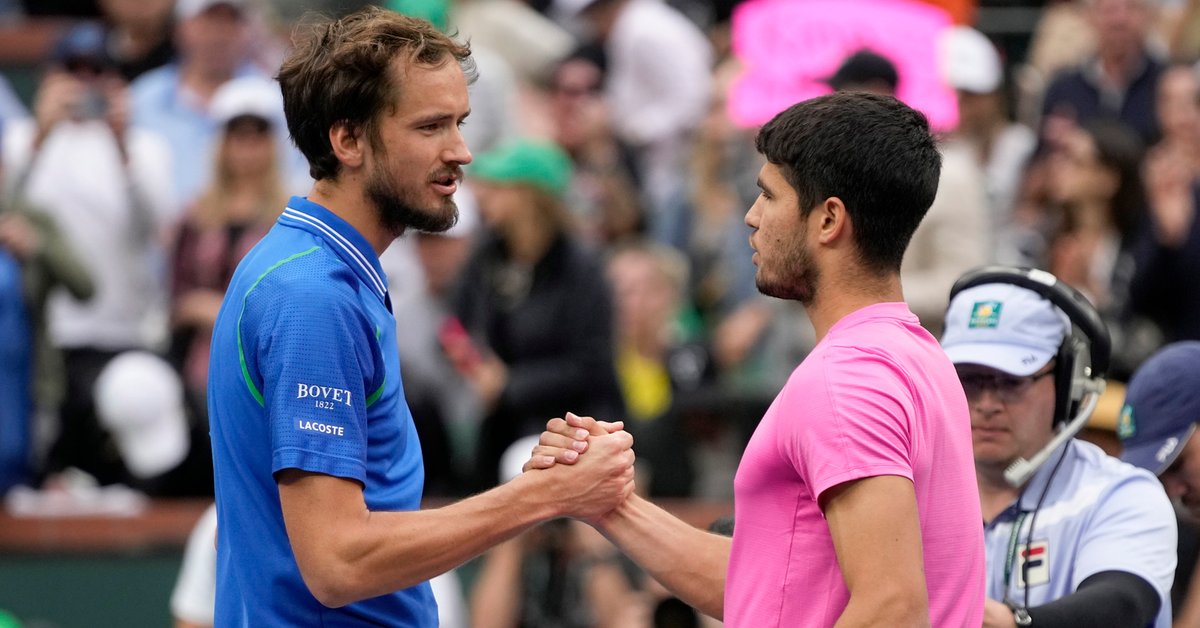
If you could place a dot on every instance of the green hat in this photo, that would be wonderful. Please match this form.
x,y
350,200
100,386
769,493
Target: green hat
x,y
8,620
434,11
539,163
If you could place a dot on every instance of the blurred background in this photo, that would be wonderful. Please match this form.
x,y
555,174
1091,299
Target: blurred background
x,y
143,152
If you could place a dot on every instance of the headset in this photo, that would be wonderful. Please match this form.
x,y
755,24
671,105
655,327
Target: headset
x,y
1080,365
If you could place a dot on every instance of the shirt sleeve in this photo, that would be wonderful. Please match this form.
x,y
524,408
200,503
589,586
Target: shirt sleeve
x,y
1132,529
317,355
856,423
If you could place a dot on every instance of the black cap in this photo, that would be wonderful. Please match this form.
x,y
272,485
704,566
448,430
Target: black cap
x,y
864,67
83,43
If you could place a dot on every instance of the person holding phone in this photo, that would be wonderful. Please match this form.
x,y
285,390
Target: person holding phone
x,y
106,185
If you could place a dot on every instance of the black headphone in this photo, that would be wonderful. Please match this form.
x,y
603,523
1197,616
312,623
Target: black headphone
x,y
1084,353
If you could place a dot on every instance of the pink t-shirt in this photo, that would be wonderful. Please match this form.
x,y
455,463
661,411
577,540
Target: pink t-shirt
x,y
877,396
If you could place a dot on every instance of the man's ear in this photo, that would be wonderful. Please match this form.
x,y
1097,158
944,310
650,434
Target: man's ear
x,y
348,144
833,221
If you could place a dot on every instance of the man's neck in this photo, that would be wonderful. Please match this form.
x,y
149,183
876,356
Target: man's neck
x,y
347,201
200,83
995,493
1117,69
842,295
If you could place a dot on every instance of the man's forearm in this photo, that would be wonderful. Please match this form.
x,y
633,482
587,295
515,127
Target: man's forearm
x,y
690,562
375,553
348,553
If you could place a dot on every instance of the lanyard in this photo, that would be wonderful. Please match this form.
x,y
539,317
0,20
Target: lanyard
x,y
1011,559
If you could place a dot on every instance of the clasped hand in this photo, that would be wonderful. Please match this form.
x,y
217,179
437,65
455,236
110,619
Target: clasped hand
x,y
596,455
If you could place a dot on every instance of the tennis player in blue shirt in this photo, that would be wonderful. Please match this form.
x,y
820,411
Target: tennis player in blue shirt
x,y
318,468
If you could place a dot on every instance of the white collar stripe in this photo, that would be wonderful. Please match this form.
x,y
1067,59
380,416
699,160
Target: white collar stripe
x,y
341,241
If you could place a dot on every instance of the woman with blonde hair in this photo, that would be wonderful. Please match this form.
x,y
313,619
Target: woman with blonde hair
x,y
242,201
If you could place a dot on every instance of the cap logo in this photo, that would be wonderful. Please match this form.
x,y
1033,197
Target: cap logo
x,y
1166,450
985,315
1125,425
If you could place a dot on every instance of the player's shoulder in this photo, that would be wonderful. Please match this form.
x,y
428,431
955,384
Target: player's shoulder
x,y
1108,472
296,269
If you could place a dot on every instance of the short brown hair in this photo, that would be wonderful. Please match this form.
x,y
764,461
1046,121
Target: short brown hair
x,y
340,71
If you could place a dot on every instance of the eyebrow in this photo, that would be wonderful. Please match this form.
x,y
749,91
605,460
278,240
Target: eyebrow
x,y
439,117
763,186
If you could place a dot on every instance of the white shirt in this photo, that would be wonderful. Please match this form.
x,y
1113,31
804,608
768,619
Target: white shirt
x,y
659,87
78,178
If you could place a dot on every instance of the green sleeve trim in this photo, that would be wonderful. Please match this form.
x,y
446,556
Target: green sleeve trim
x,y
241,351
377,394
378,391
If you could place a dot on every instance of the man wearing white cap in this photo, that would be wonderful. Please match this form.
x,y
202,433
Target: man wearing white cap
x,y
213,38
1074,537
970,64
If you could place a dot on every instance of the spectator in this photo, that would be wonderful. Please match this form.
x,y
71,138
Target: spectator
x,y
107,187
1179,116
1157,427
1096,191
535,300
1118,83
659,81
139,34
1001,148
34,260
603,192
175,100
661,370
1073,536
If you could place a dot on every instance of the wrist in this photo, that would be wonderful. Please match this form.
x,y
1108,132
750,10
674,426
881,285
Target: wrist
x,y
613,518
534,492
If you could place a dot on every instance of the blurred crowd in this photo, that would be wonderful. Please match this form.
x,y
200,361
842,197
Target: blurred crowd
x,y
600,263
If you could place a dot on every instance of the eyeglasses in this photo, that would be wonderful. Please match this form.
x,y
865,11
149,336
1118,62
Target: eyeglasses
x,y
1007,388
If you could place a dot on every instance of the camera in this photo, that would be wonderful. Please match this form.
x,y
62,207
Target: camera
x,y
93,104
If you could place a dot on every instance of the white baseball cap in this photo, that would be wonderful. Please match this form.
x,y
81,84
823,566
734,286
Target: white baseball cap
x,y
1005,327
188,9
516,455
248,96
139,399
968,61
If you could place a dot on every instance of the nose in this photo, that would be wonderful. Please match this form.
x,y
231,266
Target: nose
x,y
752,216
985,400
457,152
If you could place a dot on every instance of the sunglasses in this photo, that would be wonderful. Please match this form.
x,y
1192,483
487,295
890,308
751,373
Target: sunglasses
x,y
85,66
247,125
1007,388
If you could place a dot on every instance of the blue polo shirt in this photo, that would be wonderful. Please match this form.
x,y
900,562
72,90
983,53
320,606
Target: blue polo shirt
x,y
305,374
1099,514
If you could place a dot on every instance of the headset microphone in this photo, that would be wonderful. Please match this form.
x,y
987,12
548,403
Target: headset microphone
x,y
1019,472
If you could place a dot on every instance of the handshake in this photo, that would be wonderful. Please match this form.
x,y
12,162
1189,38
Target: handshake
x,y
582,467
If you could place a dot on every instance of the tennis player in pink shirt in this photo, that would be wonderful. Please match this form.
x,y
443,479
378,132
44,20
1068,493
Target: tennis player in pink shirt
x,y
855,501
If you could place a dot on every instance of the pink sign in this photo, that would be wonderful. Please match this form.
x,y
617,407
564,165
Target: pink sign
x,y
787,48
